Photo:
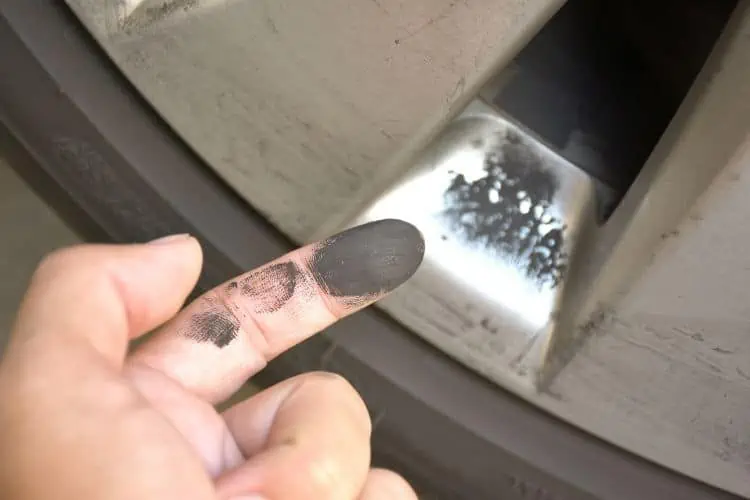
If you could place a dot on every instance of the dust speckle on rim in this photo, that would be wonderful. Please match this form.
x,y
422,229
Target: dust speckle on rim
x,y
508,209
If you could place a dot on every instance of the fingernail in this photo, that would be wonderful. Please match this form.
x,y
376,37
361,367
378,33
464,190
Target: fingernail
x,y
368,260
172,238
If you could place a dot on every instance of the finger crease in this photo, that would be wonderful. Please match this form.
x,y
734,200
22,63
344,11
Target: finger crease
x,y
123,299
320,292
257,335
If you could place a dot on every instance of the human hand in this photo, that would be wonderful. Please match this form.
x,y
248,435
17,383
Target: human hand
x,y
80,418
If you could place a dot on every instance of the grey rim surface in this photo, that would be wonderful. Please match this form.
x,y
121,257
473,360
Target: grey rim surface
x,y
84,138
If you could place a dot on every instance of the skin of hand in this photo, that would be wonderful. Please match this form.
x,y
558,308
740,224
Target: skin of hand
x,y
81,417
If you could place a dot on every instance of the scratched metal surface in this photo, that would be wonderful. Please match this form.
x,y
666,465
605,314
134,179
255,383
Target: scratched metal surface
x,y
312,108
664,371
502,217
298,104
659,350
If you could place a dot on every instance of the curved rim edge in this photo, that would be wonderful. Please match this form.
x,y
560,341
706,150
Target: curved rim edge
x,y
78,132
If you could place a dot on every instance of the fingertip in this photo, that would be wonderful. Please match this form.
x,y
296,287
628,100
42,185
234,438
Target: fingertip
x,y
184,247
170,238
163,274
307,437
368,260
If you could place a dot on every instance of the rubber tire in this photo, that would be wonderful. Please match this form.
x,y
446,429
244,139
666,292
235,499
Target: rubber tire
x,y
81,136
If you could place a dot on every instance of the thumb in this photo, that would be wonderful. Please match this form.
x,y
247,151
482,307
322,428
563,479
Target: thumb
x,y
98,297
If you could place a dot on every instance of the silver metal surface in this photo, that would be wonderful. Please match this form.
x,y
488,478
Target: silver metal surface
x,y
501,215
115,17
308,109
134,14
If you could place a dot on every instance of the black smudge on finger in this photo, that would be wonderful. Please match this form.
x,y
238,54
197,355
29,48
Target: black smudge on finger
x,y
271,286
215,326
368,260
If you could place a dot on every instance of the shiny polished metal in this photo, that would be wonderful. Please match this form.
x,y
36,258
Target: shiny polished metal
x,y
501,215
310,109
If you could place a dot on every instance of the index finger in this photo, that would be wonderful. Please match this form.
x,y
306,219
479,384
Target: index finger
x,y
215,344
